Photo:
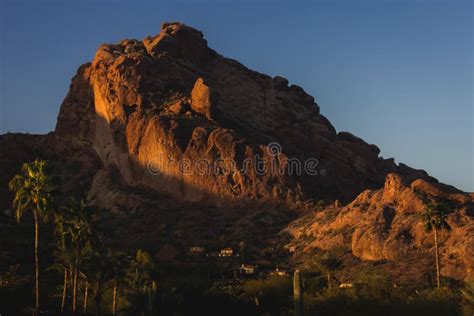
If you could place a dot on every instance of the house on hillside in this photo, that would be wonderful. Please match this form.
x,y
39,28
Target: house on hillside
x,y
346,285
247,269
226,252
279,272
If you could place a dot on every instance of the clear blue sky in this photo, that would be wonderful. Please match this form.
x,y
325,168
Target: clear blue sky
x,y
396,73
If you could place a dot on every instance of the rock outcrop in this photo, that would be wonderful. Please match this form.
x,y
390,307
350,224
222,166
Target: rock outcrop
x,y
153,107
386,224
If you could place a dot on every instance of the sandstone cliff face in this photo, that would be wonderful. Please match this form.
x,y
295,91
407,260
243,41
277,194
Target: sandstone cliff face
x,y
170,98
386,224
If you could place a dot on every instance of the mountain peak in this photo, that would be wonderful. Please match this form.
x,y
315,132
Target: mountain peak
x,y
172,96
180,41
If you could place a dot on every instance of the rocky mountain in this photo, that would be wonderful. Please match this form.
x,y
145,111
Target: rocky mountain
x,y
170,98
152,128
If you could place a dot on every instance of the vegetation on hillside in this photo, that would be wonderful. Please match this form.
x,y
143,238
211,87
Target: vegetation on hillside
x,y
85,276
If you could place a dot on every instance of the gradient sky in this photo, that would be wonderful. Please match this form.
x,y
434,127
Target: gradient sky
x,y
396,73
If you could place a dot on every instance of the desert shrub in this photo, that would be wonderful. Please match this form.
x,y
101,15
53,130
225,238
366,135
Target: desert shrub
x,y
430,302
271,294
373,285
314,282
374,294
353,302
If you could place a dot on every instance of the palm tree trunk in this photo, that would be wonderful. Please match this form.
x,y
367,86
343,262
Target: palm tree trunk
x,y
437,258
114,301
97,298
37,268
76,272
74,291
85,298
63,300
150,302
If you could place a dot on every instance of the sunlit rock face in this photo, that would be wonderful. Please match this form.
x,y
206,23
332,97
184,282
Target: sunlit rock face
x,y
147,105
386,224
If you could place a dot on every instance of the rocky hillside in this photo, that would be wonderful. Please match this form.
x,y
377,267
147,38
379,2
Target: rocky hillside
x,y
385,225
173,139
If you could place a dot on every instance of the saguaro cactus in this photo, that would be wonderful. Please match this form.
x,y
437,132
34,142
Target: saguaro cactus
x,y
298,293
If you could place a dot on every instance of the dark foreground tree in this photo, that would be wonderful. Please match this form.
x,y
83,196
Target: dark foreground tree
x,y
97,269
119,266
142,287
78,236
327,263
32,188
74,233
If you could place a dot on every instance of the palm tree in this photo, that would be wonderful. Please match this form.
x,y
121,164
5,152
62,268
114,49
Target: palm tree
x,y
63,263
80,233
75,233
327,263
32,188
62,256
140,280
434,219
119,265
97,270
86,293
141,268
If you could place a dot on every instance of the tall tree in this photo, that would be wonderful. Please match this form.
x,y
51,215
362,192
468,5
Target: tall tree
x,y
63,265
79,235
86,293
74,233
32,188
434,219
97,270
141,283
119,265
63,259
327,263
